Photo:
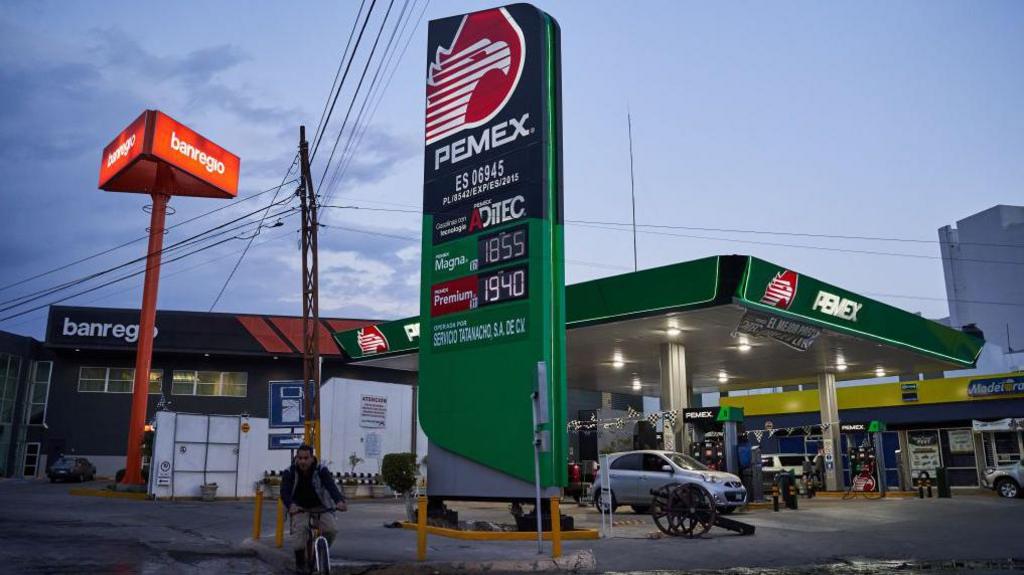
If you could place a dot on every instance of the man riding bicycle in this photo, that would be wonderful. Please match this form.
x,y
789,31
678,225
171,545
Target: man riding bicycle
x,y
307,487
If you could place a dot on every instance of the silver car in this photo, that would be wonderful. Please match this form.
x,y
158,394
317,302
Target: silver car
x,y
1007,480
633,474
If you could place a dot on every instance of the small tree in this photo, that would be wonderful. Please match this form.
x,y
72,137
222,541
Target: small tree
x,y
353,461
399,473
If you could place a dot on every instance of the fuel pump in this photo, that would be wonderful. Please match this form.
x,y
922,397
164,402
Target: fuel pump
x,y
713,435
866,471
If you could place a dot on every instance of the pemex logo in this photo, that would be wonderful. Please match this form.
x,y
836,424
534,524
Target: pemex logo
x,y
470,81
371,340
781,290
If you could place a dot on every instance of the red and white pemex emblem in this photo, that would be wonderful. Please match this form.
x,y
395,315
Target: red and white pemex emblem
x,y
371,340
781,290
471,80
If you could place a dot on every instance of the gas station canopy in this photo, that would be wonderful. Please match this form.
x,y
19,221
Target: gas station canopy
x,y
744,323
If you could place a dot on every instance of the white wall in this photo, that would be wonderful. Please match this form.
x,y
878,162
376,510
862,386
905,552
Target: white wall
x,y
343,428
345,432
253,457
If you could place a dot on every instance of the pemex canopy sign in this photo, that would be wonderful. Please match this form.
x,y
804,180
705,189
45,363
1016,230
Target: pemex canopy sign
x,y
493,284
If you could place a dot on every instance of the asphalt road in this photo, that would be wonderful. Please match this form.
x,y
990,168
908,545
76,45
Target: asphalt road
x,y
43,529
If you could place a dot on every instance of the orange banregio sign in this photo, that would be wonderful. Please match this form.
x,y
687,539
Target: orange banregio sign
x,y
195,165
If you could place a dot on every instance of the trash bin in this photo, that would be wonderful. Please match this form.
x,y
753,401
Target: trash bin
x,y
942,482
785,481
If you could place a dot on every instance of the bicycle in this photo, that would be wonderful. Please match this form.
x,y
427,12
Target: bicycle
x,y
318,549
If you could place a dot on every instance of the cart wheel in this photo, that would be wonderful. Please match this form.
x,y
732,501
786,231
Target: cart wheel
x,y
686,510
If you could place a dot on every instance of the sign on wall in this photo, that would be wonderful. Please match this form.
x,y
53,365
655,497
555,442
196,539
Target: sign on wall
x,y
373,411
287,408
995,386
960,441
492,282
924,450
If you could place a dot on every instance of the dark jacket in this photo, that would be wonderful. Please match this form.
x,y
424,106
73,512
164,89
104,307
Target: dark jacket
x,y
323,484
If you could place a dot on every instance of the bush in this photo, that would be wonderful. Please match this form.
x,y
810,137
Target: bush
x,y
399,471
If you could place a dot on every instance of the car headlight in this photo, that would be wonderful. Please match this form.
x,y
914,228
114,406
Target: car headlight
x,y
709,478
990,470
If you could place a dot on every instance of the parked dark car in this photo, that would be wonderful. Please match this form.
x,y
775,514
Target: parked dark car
x,y
71,469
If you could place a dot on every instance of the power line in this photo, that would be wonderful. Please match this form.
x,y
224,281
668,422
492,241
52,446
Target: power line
x,y
366,20
341,63
627,268
359,138
796,234
778,244
400,24
171,274
249,243
139,239
355,94
202,236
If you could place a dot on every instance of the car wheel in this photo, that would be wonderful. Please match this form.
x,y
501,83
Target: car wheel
x,y
1007,488
598,505
641,509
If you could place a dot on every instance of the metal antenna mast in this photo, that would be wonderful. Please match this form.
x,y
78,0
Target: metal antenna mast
x,y
310,299
632,183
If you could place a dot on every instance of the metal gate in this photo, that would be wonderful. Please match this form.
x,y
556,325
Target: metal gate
x,y
205,451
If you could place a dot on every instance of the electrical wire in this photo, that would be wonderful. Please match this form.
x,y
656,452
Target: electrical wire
x,y
330,112
355,94
799,246
241,257
187,242
141,238
170,274
341,62
379,98
362,121
795,234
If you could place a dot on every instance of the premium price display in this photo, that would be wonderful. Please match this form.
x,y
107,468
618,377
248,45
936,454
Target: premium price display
x,y
502,286
504,246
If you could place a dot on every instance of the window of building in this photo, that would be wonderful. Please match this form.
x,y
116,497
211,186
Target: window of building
x,y
210,383
10,369
40,386
116,379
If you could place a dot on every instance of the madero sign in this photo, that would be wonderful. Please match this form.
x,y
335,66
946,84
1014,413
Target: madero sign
x,y
493,282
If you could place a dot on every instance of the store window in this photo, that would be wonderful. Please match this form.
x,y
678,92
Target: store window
x,y
210,383
10,369
116,380
40,392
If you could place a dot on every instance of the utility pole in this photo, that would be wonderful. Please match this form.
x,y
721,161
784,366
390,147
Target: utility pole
x,y
310,299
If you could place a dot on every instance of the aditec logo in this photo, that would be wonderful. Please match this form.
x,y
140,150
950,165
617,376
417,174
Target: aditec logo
x,y
371,340
488,215
472,79
781,290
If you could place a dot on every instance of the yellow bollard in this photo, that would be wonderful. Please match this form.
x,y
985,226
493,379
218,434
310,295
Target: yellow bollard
x,y
421,529
257,516
556,530
279,527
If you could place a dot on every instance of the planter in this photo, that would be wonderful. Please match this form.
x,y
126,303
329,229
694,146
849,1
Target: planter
x,y
381,491
364,491
349,491
272,490
209,491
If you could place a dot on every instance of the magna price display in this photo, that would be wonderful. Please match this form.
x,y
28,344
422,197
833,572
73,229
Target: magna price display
x,y
492,277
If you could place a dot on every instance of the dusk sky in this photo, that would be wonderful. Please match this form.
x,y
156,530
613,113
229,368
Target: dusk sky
x,y
791,119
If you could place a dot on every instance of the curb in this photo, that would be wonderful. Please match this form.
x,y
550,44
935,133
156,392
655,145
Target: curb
x,y
86,492
576,562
